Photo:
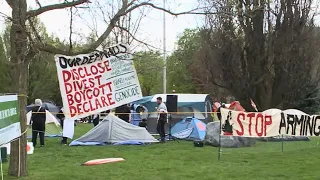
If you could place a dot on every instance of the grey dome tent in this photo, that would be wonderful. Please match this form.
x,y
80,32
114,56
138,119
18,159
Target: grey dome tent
x,y
113,130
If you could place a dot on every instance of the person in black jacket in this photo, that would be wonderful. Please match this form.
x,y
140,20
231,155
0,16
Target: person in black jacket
x,y
123,112
219,111
62,117
96,120
38,122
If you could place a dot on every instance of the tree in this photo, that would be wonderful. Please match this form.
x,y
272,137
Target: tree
x,y
180,62
262,50
148,66
25,43
4,69
42,80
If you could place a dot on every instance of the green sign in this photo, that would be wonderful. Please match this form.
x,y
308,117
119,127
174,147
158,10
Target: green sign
x,y
9,118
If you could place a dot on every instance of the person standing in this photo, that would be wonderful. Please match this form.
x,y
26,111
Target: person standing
x,y
38,122
123,112
162,118
96,120
136,109
61,116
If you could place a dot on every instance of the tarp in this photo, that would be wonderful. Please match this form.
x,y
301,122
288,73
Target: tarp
x,y
182,128
114,130
212,138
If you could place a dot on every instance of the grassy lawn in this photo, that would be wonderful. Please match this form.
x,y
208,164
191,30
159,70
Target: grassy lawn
x,y
174,161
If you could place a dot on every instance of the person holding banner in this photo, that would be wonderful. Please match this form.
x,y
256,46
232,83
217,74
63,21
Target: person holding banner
x,y
62,117
38,122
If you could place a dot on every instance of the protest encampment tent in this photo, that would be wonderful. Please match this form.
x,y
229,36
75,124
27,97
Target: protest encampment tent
x,y
189,129
53,128
113,130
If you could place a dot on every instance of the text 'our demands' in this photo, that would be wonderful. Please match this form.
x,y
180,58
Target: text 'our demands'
x,y
96,82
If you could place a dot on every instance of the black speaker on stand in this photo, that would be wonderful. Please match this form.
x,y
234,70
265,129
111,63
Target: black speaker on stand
x,y
172,107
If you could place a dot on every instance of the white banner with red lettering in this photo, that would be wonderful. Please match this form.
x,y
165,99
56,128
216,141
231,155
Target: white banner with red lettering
x,y
96,82
272,122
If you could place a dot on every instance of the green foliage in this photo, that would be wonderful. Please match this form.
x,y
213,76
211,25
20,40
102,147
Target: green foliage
x,y
149,68
310,104
179,64
4,69
43,80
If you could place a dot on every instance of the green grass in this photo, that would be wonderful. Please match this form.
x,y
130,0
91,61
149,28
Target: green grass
x,y
174,161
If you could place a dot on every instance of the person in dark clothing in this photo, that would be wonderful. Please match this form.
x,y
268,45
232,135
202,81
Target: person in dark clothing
x,y
38,122
219,111
96,119
62,117
123,112
162,118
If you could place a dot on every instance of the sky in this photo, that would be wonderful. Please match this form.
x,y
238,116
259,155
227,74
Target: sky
x,y
57,22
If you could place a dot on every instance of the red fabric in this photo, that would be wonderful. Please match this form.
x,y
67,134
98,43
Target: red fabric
x,y
235,105
216,106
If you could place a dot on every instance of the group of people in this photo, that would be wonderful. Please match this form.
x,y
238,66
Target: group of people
x,y
129,113
137,115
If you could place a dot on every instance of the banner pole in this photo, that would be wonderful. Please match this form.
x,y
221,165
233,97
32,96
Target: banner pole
x,y
282,142
219,149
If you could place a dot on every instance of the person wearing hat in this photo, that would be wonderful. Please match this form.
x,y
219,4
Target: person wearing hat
x,y
38,122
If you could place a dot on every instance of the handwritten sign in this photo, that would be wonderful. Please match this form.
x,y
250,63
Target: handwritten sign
x,y
96,82
269,123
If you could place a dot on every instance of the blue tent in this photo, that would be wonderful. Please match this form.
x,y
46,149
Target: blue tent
x,y
190,129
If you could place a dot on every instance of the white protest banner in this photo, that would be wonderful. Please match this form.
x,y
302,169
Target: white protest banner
x,y
9,119
269,123
96,82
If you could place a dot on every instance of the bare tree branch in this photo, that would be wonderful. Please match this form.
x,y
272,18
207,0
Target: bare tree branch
x,y
51,49
134,38
6,16
126,8
10,2
33,13
38,3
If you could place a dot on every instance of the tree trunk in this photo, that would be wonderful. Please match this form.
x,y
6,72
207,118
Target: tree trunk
x,y
19,72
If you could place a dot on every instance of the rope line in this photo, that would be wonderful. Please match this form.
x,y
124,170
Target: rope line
x,y
54,113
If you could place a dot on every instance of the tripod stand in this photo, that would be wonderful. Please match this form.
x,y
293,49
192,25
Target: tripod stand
x,y
170,137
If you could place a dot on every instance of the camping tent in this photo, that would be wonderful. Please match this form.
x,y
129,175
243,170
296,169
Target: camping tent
x,y
189,129
114,130
53,128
